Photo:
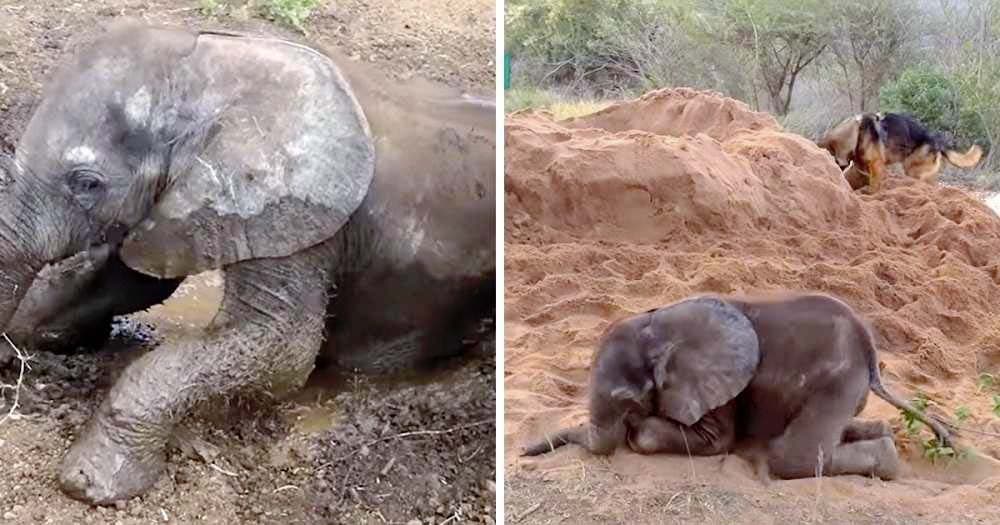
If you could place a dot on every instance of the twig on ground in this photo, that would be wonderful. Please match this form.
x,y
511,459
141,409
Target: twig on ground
x,y
528,512
388,466
819,482
16,387
223,471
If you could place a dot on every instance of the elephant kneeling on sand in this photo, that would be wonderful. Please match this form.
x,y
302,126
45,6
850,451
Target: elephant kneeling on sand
x,y
347,214
789,371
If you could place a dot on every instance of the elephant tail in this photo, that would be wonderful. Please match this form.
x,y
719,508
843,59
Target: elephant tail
x,y
577,434
875,383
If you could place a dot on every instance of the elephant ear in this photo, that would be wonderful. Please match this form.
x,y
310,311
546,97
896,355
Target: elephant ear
x,y
706,352
270,154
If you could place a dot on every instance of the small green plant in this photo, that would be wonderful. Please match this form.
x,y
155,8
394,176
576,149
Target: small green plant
x,y
934,451
996,405
291,12
920,403
211,7
986,381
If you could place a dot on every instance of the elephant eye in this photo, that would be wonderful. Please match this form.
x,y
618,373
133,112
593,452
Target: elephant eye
x,y
85,182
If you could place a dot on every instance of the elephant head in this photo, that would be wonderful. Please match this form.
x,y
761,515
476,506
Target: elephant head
x,y
677,362
189,151
704,353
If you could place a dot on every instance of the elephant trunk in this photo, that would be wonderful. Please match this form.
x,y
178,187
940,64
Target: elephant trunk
x,y
17,269
32,234
599,440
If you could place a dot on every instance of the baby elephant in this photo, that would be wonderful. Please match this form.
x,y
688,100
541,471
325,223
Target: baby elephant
x,y
788,371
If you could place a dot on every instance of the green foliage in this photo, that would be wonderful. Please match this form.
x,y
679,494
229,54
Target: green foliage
x,y
910,421
291,12
926,94
937,101
996,405
210,7
986,381
934,451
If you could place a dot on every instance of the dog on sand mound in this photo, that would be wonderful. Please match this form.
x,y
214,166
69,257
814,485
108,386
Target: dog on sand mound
x,y
866,144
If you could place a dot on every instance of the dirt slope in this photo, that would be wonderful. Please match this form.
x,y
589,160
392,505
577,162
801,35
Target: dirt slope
x,y
681,192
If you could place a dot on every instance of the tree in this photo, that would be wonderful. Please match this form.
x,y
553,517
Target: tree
x,y
868,46
784,38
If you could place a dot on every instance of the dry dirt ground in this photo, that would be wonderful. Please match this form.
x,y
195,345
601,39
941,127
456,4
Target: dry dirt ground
x,y
683,192
345,450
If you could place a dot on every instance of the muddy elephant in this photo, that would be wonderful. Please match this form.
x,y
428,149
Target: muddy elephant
x,y
348,214
787,371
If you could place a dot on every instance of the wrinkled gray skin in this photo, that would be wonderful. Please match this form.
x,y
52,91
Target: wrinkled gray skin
x,y
789,371
317,191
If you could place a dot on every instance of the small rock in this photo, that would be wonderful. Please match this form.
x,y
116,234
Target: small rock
x,y
9,515
413,522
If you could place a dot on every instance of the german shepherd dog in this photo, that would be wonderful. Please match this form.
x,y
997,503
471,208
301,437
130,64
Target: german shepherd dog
x,y
866,144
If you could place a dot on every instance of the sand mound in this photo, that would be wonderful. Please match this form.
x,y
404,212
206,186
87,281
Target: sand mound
x,y
681,192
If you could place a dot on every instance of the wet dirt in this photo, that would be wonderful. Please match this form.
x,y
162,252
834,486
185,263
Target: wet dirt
x,y
683,192
343,449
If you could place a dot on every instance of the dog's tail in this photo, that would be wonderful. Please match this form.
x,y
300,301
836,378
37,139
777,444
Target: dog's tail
x,y
964,160
876,386
577,434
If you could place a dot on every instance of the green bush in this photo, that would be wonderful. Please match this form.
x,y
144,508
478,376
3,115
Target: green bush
x,y
291,12
936,100
926,94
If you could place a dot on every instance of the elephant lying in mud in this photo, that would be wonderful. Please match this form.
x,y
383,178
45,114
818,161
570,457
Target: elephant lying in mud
x,y
788,371
341,208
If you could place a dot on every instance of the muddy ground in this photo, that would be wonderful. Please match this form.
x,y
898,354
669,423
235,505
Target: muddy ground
x,y
344,450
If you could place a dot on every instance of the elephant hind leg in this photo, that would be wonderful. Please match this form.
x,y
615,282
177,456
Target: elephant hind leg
x,y
860,430
867,457
812,443
805,447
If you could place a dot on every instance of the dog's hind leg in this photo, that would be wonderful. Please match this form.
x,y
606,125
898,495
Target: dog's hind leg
x,y
923,165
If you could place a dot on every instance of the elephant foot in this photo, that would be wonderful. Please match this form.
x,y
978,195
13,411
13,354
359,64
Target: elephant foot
x,y
99,469
886,459
871,457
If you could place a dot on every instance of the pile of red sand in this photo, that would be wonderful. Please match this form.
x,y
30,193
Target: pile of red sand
x,y
682,192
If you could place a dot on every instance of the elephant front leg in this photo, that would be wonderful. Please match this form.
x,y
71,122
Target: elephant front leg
x,y
714,433
265,338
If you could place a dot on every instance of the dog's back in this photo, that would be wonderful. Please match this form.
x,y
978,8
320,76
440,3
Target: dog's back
x,y
903,134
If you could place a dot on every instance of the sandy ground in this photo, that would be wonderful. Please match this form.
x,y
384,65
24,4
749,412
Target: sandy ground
x,y
684,192
344,450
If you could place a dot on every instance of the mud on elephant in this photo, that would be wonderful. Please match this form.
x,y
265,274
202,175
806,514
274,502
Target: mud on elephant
x,y
789,371
348,215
